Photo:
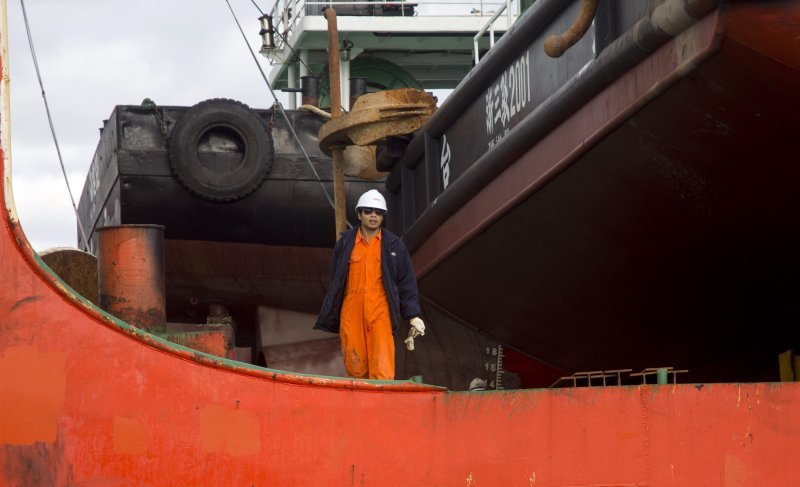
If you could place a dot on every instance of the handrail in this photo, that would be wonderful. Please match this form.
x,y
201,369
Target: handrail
x,y
555,46
287,14
490,27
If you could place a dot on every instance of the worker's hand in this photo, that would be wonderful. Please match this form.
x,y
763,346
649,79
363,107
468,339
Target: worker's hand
x,y
412,332
419,325
417,329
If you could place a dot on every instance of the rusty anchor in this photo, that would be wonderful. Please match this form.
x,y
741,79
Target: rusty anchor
x,y
375,116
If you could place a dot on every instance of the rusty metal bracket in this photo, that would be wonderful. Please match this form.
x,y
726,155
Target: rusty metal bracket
x,y
376,116
555,46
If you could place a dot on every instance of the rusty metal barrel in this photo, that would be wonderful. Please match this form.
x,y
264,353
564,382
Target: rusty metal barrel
x,y
130,274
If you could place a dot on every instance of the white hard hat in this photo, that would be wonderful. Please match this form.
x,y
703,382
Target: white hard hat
x,y
477,384
372,199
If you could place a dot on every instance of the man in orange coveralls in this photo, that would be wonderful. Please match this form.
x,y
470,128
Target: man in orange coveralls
x,y
372,289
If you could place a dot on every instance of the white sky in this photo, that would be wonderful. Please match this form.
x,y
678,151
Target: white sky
x,y
96,54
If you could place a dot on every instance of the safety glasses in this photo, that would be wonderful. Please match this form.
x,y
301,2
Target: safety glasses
x,y
369,211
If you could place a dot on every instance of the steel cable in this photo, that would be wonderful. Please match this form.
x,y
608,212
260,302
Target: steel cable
x,y
279,107
50,121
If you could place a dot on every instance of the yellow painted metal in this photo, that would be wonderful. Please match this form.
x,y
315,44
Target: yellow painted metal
x,y
788,364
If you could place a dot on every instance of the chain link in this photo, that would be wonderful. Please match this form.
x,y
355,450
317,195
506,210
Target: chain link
x,y
272,117
161,123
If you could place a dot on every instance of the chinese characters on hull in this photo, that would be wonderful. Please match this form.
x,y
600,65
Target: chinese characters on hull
x,y
444,162
508,96
505,102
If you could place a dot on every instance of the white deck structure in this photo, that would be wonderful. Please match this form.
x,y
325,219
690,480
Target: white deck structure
x,y
432,40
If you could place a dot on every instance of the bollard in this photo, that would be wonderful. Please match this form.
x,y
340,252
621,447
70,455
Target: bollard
x,y
309,90
358,87
130,275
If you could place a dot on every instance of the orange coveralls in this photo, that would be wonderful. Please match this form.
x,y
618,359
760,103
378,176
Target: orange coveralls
x,y
366,327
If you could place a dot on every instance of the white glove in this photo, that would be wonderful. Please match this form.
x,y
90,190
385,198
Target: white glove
x,y
419,325
417,329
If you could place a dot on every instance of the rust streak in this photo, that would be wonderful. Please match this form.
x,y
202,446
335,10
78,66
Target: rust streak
x,y
24,301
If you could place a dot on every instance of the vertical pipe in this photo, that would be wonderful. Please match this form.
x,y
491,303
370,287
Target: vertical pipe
x,y
333,63
336,111
344,78
130,275
309,88
303,56
291,74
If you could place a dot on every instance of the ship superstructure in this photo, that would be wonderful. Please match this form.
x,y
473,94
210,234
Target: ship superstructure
x,y
426,44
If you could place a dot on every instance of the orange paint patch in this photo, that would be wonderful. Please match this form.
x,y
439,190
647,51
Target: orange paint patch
x,y
736,473
32,385
231,431
130,436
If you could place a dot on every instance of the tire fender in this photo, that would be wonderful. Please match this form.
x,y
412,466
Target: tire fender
x,y
220,150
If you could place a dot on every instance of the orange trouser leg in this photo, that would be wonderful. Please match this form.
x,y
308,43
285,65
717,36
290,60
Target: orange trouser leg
x,y
366,333
353,332
380,343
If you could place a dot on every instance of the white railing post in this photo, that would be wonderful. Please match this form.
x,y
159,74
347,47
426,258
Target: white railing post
x,y
488,27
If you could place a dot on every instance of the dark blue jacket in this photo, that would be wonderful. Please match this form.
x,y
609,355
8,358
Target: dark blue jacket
x,y
397,274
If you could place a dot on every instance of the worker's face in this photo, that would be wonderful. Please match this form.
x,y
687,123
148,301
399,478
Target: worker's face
x,y
370,218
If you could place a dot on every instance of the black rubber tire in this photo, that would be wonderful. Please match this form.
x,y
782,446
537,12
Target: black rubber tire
x,y
231,124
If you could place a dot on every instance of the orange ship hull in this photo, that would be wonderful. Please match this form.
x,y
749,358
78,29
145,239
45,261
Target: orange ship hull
x,y
87,400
